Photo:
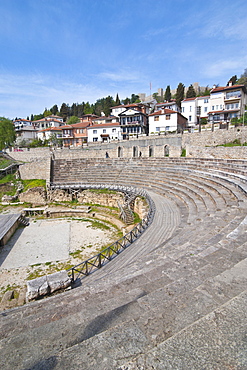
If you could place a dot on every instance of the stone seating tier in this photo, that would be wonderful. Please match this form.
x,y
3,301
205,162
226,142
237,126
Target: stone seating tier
x,y
175,299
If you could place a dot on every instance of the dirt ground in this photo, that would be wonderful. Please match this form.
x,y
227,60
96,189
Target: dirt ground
x,y
46,246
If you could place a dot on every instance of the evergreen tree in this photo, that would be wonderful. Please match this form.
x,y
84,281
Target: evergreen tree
x,y
168,94
117,100
64,111
47,113
54,109
232,80
31,117
191,92
134,99
126,101
73,120
180,94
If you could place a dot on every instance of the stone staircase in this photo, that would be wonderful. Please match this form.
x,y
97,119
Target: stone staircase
x,y
175,299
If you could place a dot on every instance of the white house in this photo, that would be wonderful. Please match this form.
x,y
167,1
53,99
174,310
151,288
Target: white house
x,y
227,102
193,108
50,121
166,120
48,133
168,105
104,132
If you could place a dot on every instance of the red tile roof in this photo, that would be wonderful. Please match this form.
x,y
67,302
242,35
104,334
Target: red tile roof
x,y
223,88
99,125
163,111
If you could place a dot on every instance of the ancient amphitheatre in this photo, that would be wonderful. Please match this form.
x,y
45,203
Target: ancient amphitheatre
x,y
175,298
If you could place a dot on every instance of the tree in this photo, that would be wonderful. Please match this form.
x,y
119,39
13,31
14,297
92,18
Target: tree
x,y
232,80
64,111
207,91
243,78
126,101
7,132
117,100
134,99
54,109
47,113
180,94
31,117
168,94
191,92
73,120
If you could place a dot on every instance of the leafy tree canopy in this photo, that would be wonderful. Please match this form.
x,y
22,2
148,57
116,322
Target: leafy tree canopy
x,y
243,78
191,92
7,132
73,119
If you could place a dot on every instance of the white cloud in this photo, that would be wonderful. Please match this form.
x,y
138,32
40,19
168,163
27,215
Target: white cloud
x,y
221,67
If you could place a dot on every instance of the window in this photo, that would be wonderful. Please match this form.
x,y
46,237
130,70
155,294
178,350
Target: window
x,y
236,105
167,128
94,131
157,129
156,118
104,131
233,94
205,101
168,116
212,107
189,118
95,139
220,106
182,109
205,109
217,107
190,108
113,130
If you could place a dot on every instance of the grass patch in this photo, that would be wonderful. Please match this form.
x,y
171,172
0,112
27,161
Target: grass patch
x,y
28,184
137,218
5,163
98,225
8,178
235,142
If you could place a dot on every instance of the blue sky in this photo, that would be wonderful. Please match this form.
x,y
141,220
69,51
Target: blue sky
x,y
55,51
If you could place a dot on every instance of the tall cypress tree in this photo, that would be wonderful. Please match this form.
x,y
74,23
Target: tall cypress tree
x,y
180,94
117,100
168,94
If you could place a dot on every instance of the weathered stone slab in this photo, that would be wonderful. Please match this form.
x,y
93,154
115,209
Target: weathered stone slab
x,y
47,284
37,287
58,280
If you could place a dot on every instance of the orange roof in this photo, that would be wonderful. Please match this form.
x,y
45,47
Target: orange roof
x,y
51,129
222,88
163,111
99,125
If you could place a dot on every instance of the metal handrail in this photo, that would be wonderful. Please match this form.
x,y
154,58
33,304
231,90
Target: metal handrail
x,y
96,262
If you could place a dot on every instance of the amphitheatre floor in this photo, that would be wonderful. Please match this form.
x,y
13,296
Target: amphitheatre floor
x,y
47,241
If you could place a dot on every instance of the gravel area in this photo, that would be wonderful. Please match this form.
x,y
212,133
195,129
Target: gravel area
x,y
46,243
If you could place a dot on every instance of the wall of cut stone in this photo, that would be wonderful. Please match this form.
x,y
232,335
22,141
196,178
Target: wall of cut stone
x,y
37,169
35,196
237,152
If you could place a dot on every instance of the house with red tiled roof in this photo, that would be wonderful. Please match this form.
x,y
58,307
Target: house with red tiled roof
x,y
168,105
104,132
50,121
166,120
226,103
76,134
49,133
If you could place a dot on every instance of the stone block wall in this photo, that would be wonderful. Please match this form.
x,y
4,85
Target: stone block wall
x,y
36,169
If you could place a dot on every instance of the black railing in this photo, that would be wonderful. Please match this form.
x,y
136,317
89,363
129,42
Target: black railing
x,y
96,262
8,170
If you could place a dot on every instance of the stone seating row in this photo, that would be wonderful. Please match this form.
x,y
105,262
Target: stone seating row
x,y
184,276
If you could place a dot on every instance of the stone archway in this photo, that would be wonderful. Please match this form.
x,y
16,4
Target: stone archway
x,y
166,151
120,152
135,151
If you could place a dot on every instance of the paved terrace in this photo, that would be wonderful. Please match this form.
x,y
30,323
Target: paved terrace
x,y
175,299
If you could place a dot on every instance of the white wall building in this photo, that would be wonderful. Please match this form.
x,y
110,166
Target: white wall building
x,y
166,120
193,108
104,132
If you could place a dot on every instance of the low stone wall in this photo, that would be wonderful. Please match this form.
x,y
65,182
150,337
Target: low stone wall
x,y
218,137
36,196
37,169
141,207
104,199
236,152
